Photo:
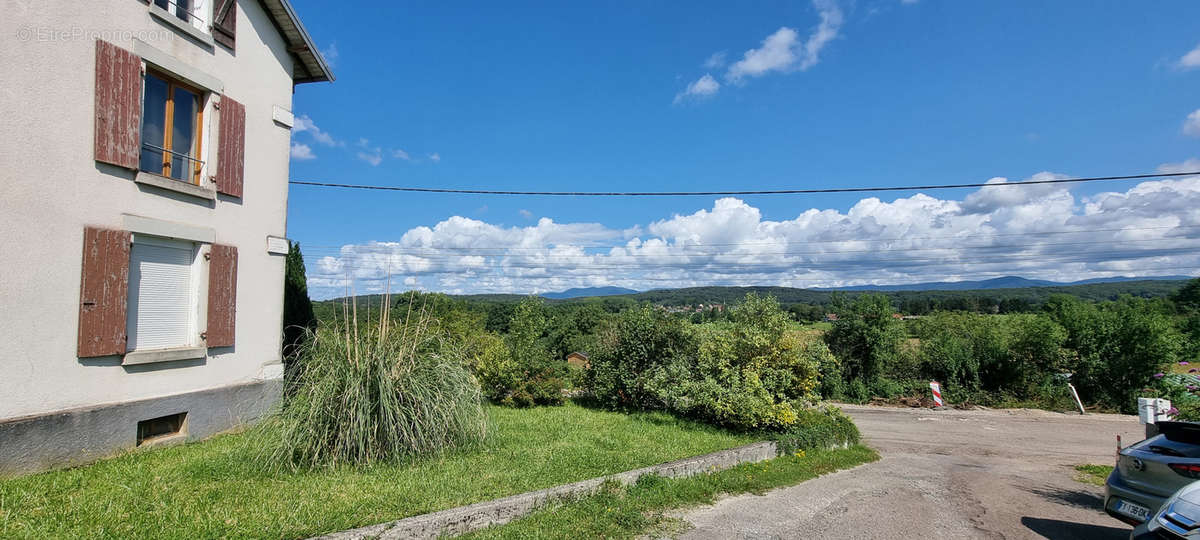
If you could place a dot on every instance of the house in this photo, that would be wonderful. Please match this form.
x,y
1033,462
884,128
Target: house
x,y
830,317
144,208
578,359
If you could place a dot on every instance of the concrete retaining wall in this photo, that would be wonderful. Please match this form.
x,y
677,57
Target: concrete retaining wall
x,y
473,517
80,436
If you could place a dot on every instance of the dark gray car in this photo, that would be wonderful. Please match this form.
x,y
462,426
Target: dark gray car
x,y
1150,471
1178,519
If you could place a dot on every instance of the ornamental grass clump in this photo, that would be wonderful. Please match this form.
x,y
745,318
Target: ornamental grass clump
x,y
380,391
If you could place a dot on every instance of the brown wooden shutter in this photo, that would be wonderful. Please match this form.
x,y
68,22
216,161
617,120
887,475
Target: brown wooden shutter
x,y
231,147
118,105
222,295
225,22
103,292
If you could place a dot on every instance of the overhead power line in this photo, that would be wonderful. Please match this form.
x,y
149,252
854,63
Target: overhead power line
x,y
549,254
1065,257
707,275
690,245
734,192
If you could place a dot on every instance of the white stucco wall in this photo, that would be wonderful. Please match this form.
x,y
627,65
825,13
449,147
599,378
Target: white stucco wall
x,y
51,187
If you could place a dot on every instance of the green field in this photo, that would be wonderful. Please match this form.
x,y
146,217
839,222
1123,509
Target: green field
x,y
214,489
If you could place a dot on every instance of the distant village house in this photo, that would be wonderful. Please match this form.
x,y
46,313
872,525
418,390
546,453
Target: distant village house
x,y
578,359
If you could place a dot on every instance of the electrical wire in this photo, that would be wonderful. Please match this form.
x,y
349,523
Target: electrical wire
x,y
733,192
718,267
785,278
435,254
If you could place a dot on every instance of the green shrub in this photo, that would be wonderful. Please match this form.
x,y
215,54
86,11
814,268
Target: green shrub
x,y
378,392
857,391
976,354
576,377
866,337
817,427
832,384
524,374
1115,347
749,373
893,388
949,358
495,367
641,342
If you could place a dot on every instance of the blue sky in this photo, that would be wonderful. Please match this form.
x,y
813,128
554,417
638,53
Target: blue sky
x,y
575,96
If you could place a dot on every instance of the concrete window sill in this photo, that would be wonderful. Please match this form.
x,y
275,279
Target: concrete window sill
x,y
163,355
181,26
169,184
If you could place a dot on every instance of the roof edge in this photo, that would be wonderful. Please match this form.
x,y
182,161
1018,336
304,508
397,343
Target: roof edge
x,y
306,48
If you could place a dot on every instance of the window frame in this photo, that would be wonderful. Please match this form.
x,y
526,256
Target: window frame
x,y
196,291
202,98
198,14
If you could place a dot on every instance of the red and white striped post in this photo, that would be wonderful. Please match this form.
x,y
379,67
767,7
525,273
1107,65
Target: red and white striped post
x,y
936,387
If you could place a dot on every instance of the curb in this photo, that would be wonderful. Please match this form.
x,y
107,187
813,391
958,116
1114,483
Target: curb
x,y
473,517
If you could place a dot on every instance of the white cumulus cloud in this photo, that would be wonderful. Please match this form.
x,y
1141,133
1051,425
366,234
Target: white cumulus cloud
x,y
777,53
330,54
1191,60
1189,165
302,152
304,124
703,87
717,60
373,156
1037,231
1191,126
784,51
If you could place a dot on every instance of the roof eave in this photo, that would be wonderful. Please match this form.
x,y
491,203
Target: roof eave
x,y
301,45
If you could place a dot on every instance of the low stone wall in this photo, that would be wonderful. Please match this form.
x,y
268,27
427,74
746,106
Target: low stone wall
x,y
476,516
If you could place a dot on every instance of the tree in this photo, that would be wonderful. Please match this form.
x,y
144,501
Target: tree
x,y
639,342
528,376
1116,346
866,338
1187,299
298,317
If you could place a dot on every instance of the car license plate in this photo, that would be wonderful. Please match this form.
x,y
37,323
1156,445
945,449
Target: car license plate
x,y
1133,510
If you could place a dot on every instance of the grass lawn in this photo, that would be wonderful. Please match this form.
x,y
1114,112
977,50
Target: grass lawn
x,y
213,488
627,512
1092,474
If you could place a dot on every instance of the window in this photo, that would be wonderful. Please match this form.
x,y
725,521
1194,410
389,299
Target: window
x,y
172,120
139,293
194,12
163,292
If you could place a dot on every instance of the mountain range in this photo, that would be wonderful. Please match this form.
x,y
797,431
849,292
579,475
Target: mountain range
x,y
582,292
1006,282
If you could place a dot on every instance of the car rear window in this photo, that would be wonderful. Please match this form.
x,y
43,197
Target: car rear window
x,y
1180,432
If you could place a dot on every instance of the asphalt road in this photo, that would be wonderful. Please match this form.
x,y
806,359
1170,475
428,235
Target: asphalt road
x,y
943,474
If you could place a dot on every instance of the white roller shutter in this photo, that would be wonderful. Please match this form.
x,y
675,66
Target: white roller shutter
x,y
161,294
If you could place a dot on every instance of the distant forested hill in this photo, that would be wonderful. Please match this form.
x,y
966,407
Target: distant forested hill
x,y
1031,295
1009,299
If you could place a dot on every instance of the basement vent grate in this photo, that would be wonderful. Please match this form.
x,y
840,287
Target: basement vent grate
x,y
161,428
